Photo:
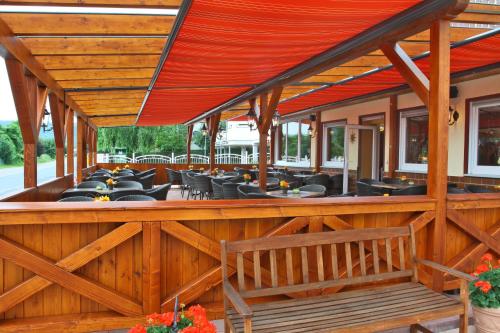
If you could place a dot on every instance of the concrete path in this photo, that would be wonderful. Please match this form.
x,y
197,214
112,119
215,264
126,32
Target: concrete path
x,y
12,179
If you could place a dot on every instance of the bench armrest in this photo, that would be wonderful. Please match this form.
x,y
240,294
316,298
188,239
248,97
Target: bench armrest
x,y
236,300
445,269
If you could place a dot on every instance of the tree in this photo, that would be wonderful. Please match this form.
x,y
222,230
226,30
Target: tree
x,y
7,149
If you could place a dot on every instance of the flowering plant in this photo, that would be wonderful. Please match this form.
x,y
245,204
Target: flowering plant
x,y
190,167
102,198
194,320
284,184
110,181
403,178
126,166
215,171
116,170
246,176
485,291
254,167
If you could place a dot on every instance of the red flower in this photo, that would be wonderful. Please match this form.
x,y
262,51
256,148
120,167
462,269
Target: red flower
x,y
137,329
487,257
167,318
482,268
484,286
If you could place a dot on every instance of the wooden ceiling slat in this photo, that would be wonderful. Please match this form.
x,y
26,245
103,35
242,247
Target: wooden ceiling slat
x,y
456,34
411,48
112,95
98,62
94,45
369,61
485,18
111,111
107,3
87,24
114,121
110,103
325,78
345,70
74,84
99,74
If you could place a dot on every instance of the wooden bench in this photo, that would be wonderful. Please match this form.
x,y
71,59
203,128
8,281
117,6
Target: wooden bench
x,y
315,266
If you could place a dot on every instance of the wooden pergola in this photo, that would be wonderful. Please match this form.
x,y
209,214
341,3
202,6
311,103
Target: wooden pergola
x,y
113,262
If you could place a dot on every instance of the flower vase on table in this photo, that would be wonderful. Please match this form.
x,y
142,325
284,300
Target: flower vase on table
x,y
111,183
247,178
484,293
284,186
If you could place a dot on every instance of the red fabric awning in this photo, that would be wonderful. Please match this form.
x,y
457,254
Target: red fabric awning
x,y
482,52
228,46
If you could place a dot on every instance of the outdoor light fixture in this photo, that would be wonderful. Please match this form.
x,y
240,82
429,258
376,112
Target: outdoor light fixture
x,y
310,130
276,119
381,128
251,119
204,131
46,121
453,116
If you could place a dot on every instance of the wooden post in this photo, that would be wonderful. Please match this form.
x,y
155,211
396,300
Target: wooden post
x,y
96,136
393,134
272,148
438,138
81,156
213,127
58,122
151,240
70,139
319,142
188,144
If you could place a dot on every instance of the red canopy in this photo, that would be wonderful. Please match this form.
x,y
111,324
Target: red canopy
x,y
479,53
228,46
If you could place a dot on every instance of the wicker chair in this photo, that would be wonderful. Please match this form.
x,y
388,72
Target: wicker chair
x,y
243,190
78,198
292,181
319,179
127,177
98,178
129,184
477,189
237,179
90,194
414,190
147,181
203,186
146,173
174,177
91,184
455,190
160,192
366,190
336,184
136,197
230,190
217,188
314,188
389,180
191,185
118,194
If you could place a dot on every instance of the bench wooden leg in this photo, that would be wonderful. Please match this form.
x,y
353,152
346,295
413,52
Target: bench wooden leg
x,y
464,297
415,328
227,326
464,323
248,325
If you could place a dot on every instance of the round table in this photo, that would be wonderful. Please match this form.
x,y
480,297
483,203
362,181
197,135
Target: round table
x,y
291,195
100,192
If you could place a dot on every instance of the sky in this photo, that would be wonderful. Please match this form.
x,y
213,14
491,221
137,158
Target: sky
x,y
7,108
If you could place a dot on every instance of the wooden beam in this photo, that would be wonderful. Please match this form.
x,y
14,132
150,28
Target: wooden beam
x,y
113,83
393,134
408,70
97,61
213,127
19,51
81,156
319,142
57,112
437,175
151,251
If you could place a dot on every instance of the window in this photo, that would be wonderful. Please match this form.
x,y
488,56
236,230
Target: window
x,y
484,138
333,143
295,144
413,140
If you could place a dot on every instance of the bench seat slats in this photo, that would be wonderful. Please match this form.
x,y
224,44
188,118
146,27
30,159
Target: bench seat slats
x,y
348,309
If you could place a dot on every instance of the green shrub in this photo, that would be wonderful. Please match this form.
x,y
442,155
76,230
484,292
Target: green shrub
x,y
8,152
44,158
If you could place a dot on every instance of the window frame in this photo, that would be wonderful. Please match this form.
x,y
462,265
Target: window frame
x,y
403,165
326,147
473,169
299,162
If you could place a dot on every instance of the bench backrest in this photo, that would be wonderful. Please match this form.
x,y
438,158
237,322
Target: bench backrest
x,y
319,260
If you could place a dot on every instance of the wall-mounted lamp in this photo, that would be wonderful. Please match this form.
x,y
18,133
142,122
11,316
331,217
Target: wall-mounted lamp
x,y
251,119
310,130
46,121
276,118
381,128
204,130
453,116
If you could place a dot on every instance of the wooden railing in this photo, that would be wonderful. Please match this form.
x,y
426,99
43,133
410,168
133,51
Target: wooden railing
x,y
98,266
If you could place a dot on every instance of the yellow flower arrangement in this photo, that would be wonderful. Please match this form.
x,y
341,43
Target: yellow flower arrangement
x,y
102,198
110,181
247,176
284,184
126,166
403,178
254,167
202,169
215,171
190,167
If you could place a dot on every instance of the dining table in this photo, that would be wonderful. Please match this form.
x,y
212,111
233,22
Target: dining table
x,y
295,195
256,184
388,188
225,177
105,191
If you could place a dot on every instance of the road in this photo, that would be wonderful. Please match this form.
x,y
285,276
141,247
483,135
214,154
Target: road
x,y
12,179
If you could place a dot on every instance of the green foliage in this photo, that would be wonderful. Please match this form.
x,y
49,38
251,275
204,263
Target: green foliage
x,y
46,147
7,149
44,158
163,140
11,144
337,141
490,299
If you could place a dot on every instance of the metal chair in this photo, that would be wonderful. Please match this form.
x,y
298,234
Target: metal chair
x,y
136,197
160,192
243,190
118,194
314,188
78,198
129,184
414,190
217,189
91,184
230,190
147,181
174,177
477,189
